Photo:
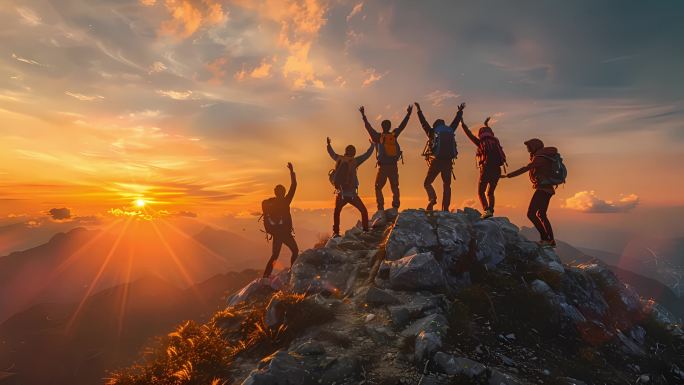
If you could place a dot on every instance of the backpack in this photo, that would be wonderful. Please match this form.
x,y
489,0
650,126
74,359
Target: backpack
x,y
444,143
342,176
388,149
271,215
490,152
558,172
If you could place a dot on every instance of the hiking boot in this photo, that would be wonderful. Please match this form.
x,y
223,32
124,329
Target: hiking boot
x,y
487,214
336,235
430,205
547,244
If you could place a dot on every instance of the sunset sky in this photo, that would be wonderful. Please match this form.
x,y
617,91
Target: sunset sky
x,y
196,106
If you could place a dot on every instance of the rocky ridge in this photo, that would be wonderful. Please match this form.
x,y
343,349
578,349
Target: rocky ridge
x,y
448,298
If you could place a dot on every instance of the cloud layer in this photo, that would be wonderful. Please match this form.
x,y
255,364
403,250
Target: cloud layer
x,y
588,202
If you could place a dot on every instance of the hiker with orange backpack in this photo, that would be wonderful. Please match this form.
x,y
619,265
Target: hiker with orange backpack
x,y
547,171
346,182
278,221
388,154
440,152
490,159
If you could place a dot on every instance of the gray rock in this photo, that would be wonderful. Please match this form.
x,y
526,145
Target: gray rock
x,y
341,369
380,334
570,381
333,243
280,368
629,346
491,245
434,323
311,348
453,233
258,288
417,307
540,287
375,296
426,345
453,365
400,315
500,378
417,272
412,229
321,270
275,313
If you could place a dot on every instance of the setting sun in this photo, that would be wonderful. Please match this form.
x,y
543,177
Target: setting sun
x,y
140,202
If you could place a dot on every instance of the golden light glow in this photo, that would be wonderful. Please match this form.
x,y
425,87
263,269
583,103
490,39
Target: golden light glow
x,y
140,202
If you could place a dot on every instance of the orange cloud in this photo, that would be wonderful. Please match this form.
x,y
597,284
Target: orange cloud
x,y
588,202
187,16
262,71
217,69
372,76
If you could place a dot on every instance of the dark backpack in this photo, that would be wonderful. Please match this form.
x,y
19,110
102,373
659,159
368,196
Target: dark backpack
x,y
343,175
557,173
444,143
388,149
490,152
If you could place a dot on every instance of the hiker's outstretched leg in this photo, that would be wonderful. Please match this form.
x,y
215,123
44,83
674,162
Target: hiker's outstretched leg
x,y
291,243
432,173
275,252
493,180
536,204
446,181
541,214
380,181
358,203
394,185
481,189
339,204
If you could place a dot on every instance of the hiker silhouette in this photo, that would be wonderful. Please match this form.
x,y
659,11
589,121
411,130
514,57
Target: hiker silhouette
x,y
490,159
440,152
543,170
388,152
346,182
278,221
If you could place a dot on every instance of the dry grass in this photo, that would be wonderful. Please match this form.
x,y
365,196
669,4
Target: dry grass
x,y
204,354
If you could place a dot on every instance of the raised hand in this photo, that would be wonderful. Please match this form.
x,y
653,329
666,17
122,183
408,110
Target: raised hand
x,y
362,109
486,122
328,139
417,105
461,106
409,109
289,165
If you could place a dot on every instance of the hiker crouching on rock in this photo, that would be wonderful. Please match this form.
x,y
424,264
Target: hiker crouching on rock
x,y
346,183
440,152
278,221
490,158
388,154
547,171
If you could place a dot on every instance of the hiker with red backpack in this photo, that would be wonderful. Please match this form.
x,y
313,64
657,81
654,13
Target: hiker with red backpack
x,y
278,221
346,182
388,154
547,171
490,158
440,152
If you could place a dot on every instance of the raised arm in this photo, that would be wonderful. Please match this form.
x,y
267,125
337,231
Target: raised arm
x,y
293,183
363,157
404,122
375,136
459,117
469,134
331,152
423,123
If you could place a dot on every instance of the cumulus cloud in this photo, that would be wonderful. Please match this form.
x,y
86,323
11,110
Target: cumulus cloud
x,y
60,214
188,16
355,11
438,97
588,202
372,76
262,71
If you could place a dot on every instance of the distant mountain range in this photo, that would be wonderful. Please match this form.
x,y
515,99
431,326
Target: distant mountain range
x,y
45,344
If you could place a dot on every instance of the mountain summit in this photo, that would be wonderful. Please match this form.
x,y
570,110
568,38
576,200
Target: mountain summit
x,y
426,298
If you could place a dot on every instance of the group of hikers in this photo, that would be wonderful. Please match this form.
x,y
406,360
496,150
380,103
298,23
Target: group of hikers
x,y
546,171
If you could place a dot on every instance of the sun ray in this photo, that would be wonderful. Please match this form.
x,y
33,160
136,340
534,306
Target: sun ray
x,y
177,262
195,241
124,295
93,283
